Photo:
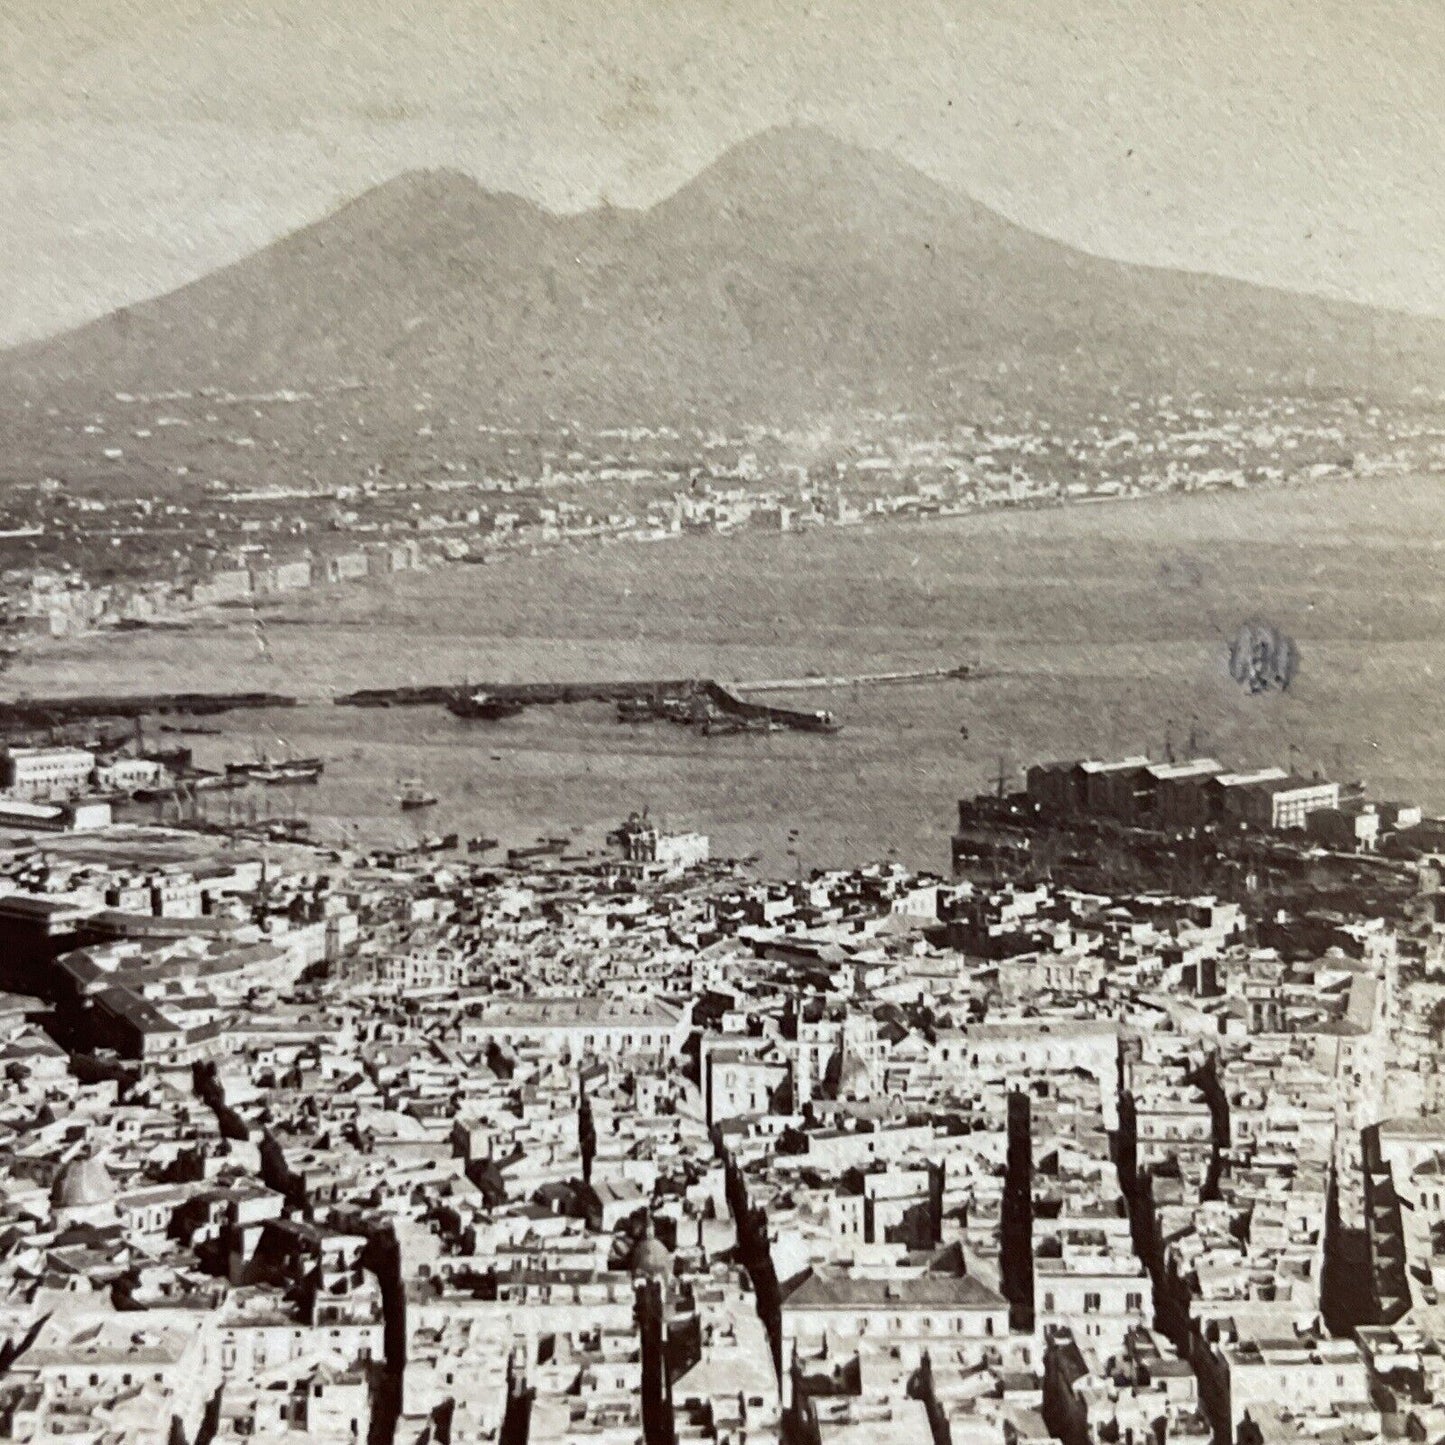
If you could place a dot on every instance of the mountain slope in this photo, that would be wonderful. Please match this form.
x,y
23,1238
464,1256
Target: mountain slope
x,y
796,274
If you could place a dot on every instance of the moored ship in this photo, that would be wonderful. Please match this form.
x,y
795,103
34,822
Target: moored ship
x,y
286,770
208,782
636,709
303,770
818,721
414,795
483,706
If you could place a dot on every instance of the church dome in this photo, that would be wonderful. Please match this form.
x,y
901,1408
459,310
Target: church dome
x,y
82,1184
650,1256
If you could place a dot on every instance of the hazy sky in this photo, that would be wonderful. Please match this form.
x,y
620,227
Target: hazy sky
x,y
144,142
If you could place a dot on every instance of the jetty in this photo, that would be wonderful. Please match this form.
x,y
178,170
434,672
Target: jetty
x,y
731,699
538,694
704,691
819,681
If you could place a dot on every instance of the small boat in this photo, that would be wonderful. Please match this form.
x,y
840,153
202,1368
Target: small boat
x,y
303,771
635,709
815,722
310,765
723,727
726,725
413,796
482,706
287,830
204,782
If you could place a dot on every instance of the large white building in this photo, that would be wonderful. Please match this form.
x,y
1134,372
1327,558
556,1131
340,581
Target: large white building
x,y
579,1027
643,843
1243,1379
48,772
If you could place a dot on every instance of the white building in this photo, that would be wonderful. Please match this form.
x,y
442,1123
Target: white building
x,y
1307,1374
1100,1293
834,1312
48,772
577,1027
125,775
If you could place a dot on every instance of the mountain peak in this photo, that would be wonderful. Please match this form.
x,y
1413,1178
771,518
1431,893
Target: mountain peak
x,y
802,143
435,182
804,174
801,153
444,191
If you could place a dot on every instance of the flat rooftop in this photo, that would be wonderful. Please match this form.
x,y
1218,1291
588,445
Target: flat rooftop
x,y
1191,768
1258,775
1091,766
561,1013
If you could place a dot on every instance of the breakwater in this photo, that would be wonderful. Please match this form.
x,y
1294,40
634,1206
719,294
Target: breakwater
x,y
705,692
732,701
538,694
49,711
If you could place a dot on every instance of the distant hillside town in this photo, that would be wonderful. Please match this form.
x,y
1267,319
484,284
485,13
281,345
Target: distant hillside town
x,y
149,539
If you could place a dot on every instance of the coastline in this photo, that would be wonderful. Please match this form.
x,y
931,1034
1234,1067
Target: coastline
x,y
1098,625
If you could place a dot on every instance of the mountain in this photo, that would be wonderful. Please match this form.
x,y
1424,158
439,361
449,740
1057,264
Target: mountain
x,y
795,276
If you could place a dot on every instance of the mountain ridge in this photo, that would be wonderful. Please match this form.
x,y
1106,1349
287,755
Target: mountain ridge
x,y
794,274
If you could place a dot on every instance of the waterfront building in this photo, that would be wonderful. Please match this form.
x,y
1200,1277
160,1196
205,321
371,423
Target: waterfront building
x,y
34,772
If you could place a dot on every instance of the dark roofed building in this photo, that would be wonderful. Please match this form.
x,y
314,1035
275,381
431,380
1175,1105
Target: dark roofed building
x,y
121,1019
33,931
1057,787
